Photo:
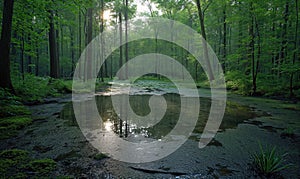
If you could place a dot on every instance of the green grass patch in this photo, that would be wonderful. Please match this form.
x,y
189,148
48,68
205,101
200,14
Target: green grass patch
x,y
13,110
16,163
35,88
11,125
42,166
10,105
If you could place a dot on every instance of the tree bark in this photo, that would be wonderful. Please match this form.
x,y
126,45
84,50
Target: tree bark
x,y
126,39
102,41
121,49
256,66
72,48
5,81
54,66
224,38
37,62
205,48
252,49
295,47
89,36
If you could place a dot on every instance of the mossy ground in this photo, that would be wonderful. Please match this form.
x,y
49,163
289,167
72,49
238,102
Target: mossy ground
x,y
34,89
16,163
9,126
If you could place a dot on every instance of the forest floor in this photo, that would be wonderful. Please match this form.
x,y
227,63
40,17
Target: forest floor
x,y
229,155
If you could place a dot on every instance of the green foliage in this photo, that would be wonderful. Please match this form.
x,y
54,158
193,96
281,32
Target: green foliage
x,y
238,82
268,162
11,161
16,155
10,105
16,163
42,166
11,125
36,88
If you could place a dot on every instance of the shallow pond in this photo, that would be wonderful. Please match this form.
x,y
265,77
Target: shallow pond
x,y
130,129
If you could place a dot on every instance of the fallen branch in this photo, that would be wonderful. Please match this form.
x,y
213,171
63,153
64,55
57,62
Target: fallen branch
x,y
158,171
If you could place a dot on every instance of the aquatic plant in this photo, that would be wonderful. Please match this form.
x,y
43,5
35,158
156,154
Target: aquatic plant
x,y
268,161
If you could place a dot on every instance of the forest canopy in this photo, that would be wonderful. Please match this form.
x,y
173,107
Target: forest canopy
x,y
257,42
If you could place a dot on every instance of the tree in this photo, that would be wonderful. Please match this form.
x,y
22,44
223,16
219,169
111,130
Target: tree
x,y
54,63
126,38
5,81
295,48
205,48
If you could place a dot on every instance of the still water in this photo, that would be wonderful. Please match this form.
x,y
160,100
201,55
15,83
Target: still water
x,y
131,130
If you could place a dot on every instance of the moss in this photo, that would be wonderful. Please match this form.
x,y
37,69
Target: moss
x,y
58,87
7,110
100,156
12,161
14,154
42,166
16,163
10,125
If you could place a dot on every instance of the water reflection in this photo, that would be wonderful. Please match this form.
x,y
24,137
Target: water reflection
x,y
132,130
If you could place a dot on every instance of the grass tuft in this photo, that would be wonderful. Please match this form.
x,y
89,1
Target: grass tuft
x,y
268,162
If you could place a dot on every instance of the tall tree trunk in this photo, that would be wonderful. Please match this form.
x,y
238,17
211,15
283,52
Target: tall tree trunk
x,y
295,47
126,39
256,66
224,38
121,49
79,38
252,48
79,31
205,48
5,81
37,62
282,53
29,58
54,66
22,56
102,40
57,45
89,36
72,48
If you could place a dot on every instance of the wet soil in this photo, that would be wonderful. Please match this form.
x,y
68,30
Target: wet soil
x,y
53,135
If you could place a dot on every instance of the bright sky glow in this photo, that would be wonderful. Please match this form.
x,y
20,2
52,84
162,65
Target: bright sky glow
x,y
107,15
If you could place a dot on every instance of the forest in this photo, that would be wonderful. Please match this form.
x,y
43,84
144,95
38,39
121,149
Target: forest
x,y
255,41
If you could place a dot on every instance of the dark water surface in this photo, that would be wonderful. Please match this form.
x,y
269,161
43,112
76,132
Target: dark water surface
x,y
234,114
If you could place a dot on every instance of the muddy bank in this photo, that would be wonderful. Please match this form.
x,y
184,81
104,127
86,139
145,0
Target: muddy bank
x,y
228,155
